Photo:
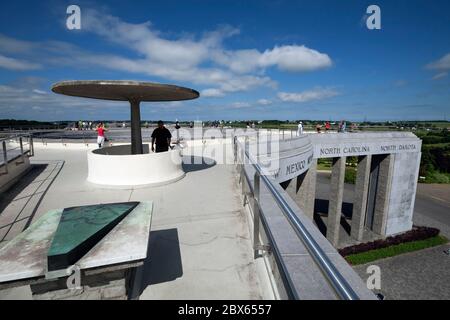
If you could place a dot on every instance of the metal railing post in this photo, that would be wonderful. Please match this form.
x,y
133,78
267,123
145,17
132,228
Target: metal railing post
x,y
31,146
235,148
5,156
256,214
243,186
21,149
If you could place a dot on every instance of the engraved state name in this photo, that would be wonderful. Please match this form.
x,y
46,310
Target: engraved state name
x,y
344,150
364,149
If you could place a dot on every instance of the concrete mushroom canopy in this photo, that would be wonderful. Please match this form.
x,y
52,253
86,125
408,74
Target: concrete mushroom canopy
x,y
120,90
124,90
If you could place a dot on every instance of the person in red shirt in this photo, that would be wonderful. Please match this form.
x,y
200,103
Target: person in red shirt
x,y
327,126
100,134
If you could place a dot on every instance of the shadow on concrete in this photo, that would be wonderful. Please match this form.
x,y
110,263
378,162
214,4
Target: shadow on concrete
x,y
321,210
194,163
163,263
320,224
10,195
14,195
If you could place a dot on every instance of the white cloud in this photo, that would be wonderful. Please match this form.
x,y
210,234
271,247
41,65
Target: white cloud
x,y
264,102
441,65
212,92
309,95
22,100
286,58
11,45
16,64
440,75
240,105
200,60
400,83
39,91
295,59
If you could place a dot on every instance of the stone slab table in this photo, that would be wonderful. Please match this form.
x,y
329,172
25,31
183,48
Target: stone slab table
x,y
107,270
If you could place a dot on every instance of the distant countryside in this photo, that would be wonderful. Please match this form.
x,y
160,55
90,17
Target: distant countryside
x,y
435,135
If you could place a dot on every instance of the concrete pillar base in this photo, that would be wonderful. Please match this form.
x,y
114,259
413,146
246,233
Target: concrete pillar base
x,y
335,204
302,189
361,193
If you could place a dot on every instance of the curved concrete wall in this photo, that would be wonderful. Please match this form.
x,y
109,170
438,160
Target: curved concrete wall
x,y
115,166
287,158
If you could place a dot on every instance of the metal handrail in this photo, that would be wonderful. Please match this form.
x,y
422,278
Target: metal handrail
x,y
14,136
334,277
84,137
22,153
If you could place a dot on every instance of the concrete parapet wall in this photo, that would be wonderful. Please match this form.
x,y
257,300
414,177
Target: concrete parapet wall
x,y
16,168
300,269
115,166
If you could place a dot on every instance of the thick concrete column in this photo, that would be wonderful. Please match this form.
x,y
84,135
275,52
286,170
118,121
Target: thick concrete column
x,y
306,190
405,175
302,189
382,195
335,200
361,193
136,135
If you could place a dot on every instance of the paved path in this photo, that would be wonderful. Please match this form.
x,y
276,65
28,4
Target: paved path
x,y
420,275
432,207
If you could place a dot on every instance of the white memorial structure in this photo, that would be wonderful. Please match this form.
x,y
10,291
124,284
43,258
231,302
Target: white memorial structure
x,y
385,189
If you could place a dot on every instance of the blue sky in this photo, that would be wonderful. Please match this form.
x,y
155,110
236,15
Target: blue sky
x,y
248,59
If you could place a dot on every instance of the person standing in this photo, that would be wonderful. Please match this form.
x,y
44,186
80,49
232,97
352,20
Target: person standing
x,y
161,135
318,127
344,125
177,128
327,126
300,128
100,134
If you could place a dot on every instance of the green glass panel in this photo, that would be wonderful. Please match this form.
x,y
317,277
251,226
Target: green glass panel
x,y
81,228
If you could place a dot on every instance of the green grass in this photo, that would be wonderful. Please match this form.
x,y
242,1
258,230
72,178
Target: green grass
x,y
372,255
350,175
437,177
323,166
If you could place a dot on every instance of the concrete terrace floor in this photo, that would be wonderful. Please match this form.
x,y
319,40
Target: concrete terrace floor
x,y
200,246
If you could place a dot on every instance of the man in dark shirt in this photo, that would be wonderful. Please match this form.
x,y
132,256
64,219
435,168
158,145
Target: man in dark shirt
x,y
162,137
